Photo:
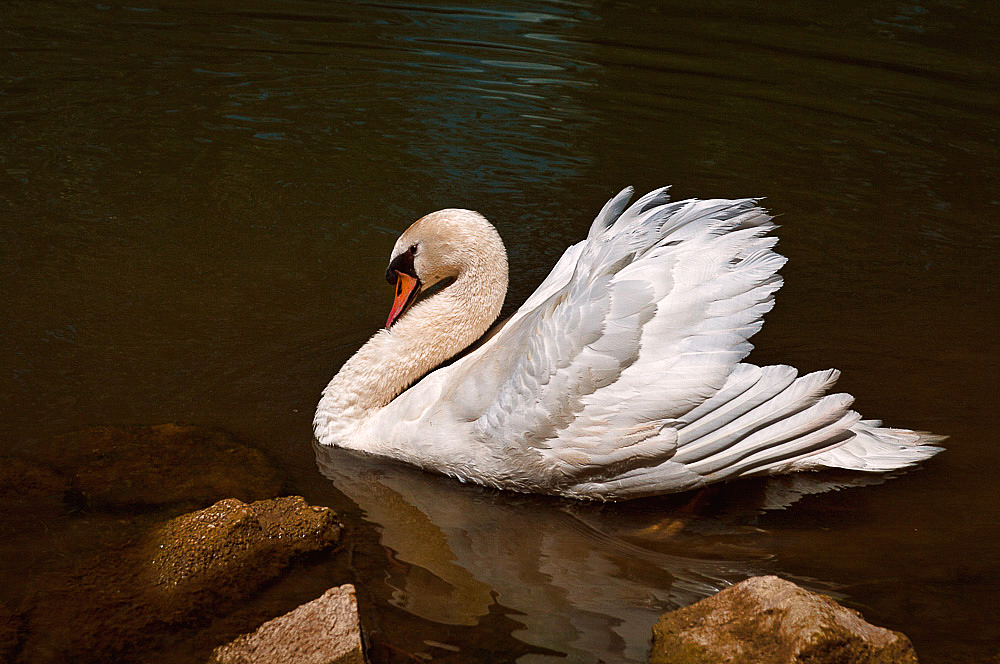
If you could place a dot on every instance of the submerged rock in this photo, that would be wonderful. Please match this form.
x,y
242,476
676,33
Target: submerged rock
x,y
323,631
29,492
99,572
767,619
126,467
192,568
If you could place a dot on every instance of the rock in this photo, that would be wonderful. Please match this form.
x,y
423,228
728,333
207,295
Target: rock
x,y
230,548
30,492
116,467
324,631
188,570
767,619
23,480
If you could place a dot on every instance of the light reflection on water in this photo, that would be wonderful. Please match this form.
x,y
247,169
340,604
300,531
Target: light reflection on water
x,y
199,200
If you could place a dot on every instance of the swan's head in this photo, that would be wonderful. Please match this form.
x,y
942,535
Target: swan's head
x,y
446,244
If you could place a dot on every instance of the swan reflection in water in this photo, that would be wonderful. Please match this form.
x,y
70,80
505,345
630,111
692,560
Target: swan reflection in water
x,y
585,579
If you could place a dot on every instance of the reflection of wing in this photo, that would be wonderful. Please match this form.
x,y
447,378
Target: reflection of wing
x,y
571,580
620,376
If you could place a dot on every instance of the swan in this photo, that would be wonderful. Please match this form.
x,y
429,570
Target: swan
x,y
621,376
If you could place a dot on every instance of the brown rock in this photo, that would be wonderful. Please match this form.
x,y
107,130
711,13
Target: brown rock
x,y
767,619
324,631
227,550
23,480
193,567
29,492
114,467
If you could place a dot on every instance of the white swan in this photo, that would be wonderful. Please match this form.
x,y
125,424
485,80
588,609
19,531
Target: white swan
x,y
620,377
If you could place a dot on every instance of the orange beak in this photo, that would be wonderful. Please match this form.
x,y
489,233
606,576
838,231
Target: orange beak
x,y
407,289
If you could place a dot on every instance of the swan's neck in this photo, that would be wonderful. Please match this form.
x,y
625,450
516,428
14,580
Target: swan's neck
x,y
432,331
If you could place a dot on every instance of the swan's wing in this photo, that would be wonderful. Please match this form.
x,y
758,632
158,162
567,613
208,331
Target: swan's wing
x,y
634,327
621,375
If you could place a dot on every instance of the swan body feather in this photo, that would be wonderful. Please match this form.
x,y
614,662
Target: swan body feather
x,y
621,376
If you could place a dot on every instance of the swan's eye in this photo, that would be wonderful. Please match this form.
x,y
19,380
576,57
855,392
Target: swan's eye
x,y
413,249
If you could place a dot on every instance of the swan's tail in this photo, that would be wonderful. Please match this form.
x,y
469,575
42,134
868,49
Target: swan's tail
x,y
770,420
874,449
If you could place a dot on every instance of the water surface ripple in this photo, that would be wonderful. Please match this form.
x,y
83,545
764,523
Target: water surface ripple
x,y
199,199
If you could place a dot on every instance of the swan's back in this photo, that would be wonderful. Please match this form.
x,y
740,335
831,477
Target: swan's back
x,y
621,376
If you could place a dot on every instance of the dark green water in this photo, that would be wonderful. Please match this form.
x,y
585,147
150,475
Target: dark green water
x,y
197,200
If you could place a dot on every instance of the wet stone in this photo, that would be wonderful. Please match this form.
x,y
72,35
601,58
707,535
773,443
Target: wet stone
x,y
192,568
323,631
767,619
224,551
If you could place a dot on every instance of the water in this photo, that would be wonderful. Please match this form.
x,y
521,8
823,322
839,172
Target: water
x,y
199,199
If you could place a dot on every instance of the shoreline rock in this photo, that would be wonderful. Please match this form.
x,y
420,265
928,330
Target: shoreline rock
x,y
323,631
197,565
768,619
225,551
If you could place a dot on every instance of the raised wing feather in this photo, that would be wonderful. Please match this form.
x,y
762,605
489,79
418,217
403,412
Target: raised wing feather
x,y
621,376
635,326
